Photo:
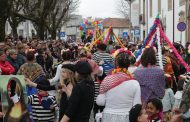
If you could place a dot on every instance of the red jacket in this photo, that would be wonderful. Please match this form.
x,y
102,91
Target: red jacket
x,y
6,68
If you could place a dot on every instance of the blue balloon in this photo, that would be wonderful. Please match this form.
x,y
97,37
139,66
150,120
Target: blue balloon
x,y
100,25
89,23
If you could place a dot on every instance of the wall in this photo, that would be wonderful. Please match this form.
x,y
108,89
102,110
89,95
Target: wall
x,y
164,14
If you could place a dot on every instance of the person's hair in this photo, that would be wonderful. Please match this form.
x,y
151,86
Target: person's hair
x,y
40,51
22,100
71,75
67,55
1,52
12,51
135,112
168,81
156,103
148,57
117,47
102,46
180,84
30,56
85,78
83,53
122,60
132,60
110,42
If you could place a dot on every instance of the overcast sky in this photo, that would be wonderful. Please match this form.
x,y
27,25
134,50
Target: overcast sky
x,y
98,8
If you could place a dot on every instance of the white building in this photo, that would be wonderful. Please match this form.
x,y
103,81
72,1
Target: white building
x,y
119,25
170,14
71,28
134,17
24,29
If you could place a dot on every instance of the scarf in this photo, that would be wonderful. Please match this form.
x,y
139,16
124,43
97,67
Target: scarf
x,y
117,77
40,96
159,115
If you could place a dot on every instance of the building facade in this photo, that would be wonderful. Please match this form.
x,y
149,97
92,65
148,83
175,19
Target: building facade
x,y
119,25
25,29
72,27
171,13
134,17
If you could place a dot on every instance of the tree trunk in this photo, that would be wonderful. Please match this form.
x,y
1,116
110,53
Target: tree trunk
x,y
14,29
2,29
53,34
41,30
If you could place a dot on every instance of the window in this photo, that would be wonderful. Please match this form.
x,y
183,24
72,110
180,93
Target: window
x,y
20,32
150,8
181,2
159,6
170,4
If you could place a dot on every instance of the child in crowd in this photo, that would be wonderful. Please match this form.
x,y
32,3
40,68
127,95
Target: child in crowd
x,y
43,105
138,114
154,110
178,94
168,99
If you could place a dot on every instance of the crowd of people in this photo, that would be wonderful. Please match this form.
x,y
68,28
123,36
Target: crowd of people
x,y
105,81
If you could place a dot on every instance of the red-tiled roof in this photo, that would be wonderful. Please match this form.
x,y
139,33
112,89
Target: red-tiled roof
x,y
116,23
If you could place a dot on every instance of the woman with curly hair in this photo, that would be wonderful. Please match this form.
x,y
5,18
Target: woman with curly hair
x,y
119,91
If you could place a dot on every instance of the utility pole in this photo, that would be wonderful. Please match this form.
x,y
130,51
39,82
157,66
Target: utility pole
x,y
173,21
129,2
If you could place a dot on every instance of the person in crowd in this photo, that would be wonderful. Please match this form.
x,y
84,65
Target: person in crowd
x,y
176,64
5,66
132,66
168,68
96,71
43,105
154,110
21,56
101,57
168,100
12,59
139,114
66,57
185,101
48,63
178,94
150,77
119,91
40,58
66,78
31,69
82,97
110,47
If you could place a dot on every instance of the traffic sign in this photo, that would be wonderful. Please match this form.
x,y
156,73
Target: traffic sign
x,y
181,26
125,34
62,34
137,32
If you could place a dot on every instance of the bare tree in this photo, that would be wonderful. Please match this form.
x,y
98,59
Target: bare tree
x,y
123,8
37,11
13,19
60,15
